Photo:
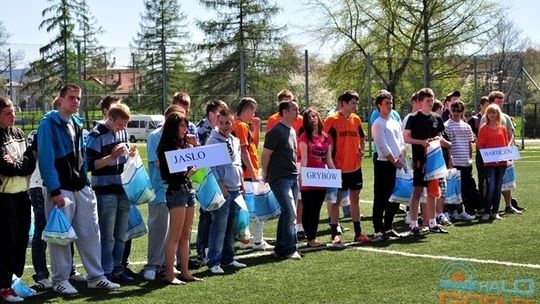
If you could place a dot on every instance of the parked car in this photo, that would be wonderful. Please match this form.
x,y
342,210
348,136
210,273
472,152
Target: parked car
x,y
140,126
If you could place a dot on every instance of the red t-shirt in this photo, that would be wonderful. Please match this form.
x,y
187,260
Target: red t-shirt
x,y
492,138
317,150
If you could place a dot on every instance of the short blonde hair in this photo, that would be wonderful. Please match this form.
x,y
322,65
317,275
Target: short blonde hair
x,y
119,111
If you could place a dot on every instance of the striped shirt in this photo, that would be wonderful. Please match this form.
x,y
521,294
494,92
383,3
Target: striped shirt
x,y
461,136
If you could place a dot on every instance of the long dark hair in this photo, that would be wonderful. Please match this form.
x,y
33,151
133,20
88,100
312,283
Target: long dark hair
x,y
307,125
170,139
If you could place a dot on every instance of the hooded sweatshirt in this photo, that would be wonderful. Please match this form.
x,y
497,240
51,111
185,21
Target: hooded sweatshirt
x,y
231,174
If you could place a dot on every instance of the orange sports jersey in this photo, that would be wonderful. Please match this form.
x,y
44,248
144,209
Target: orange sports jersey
x,y
346,133
242,131
275,118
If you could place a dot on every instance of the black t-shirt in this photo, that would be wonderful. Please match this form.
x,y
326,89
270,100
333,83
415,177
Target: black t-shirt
x,y
423,127
282,141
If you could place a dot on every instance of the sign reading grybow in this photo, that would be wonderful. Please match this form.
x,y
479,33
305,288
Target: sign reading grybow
x,y
498,154
318,177
203,156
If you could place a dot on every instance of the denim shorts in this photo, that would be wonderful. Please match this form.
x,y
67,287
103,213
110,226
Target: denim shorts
x,y
181,199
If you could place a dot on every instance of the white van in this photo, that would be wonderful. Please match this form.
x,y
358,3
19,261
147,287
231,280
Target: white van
x,y
140,126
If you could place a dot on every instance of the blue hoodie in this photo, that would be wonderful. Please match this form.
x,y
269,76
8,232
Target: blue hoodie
x,y
61,163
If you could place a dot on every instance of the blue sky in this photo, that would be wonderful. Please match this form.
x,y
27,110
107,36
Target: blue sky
x,y
120,18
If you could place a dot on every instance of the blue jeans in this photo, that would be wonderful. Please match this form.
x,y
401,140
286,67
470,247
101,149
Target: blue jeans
x,y
286,192
113,211
202,231
39,260
494,179
221,233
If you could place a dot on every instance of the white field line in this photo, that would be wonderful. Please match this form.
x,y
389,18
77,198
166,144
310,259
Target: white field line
x,y
386,251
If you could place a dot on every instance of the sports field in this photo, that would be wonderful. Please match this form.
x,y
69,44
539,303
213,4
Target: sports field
x,y
487,258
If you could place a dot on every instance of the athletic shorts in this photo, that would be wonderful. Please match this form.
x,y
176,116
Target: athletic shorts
x,y
352,180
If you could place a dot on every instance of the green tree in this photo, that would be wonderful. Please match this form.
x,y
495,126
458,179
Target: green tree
x,y
160,46
239,28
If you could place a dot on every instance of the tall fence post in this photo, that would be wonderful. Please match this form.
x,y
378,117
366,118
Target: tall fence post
x,y
163,78
242,72
523,96
306,72
475,73
370,105
10,76
134,77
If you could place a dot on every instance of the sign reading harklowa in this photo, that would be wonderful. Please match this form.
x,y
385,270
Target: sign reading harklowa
x,y
318,177
498,154
203,156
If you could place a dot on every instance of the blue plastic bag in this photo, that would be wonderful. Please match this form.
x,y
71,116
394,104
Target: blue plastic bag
x,y
403,187
58,229
136,182
453,187
21,289
242,221
509,178
207,189
435,166
136,225
261,201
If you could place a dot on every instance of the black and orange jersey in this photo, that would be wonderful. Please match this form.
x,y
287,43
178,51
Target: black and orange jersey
x,y
347,134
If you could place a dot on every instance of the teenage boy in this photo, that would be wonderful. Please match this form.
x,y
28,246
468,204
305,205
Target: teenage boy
x,y
423,127
61,154
229,177
107,153
281,172
246,129
16,164
348,136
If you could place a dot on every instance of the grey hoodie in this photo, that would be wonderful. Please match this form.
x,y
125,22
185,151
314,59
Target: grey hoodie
x,y
230,174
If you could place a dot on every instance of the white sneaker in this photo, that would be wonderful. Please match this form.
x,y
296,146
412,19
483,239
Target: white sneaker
x,y
44,284
464,216
237,264
103,284
263,245
64,287
149,274
217,270
294,256
77,277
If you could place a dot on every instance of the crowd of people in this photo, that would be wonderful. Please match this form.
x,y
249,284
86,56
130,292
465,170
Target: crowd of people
x,y
52,173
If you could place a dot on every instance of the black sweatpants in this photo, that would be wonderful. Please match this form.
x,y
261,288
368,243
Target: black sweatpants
x,y
14,228
384,180
470,195
312,201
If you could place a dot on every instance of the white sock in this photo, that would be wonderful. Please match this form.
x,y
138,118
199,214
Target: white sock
x,y
414,223
439,214
299,227
432,223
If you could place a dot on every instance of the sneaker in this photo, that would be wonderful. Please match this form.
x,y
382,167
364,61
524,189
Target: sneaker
x,y
149,274
415,231
485,217
294,256
511,210
122,278
64,287
103,284
515,204
362,238
77,277
130,272
237,264
217,270
10,296
44,284
193,263
464,216
392,234
264,246
378,237
437,229
245,244
496,216
443,220
301,235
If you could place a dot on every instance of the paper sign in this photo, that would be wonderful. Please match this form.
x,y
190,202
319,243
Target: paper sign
x,y
203,156
319,177
498,154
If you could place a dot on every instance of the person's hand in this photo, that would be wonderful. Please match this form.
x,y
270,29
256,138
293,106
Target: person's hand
x,y
191,171
256,178
191,139
133,150
118,151
9,159
256,121
398,164
58,201
362,153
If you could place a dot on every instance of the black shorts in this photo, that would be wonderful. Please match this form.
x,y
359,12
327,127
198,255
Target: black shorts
x,y
352,180
418,174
